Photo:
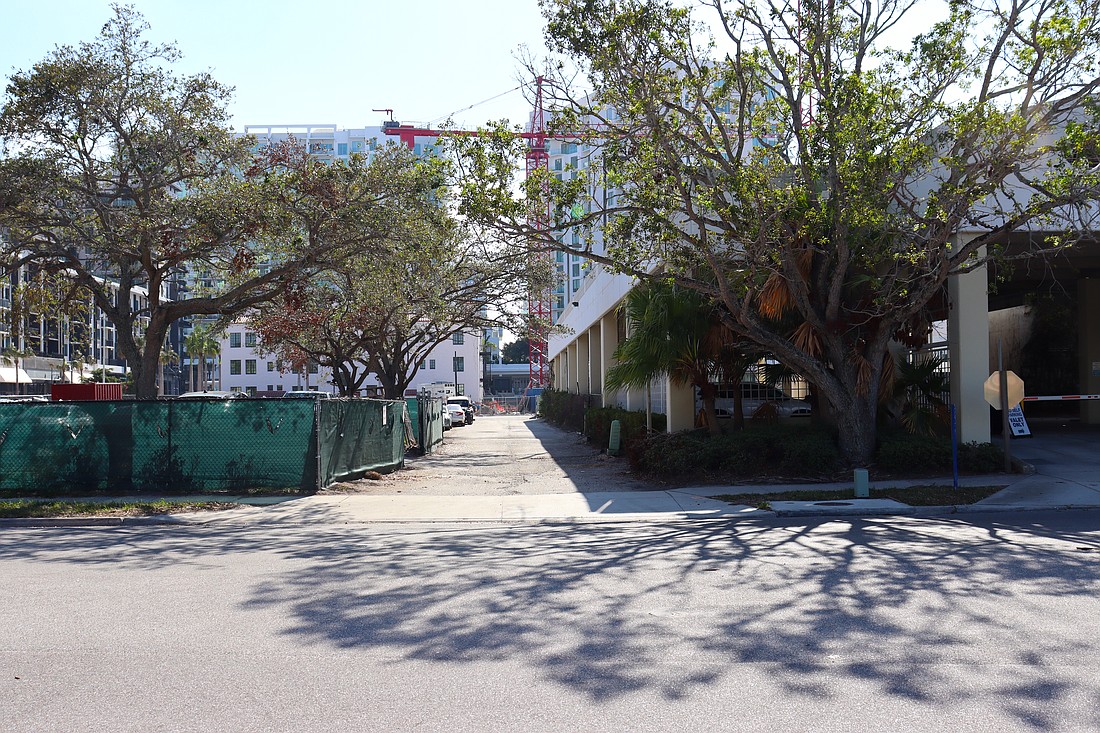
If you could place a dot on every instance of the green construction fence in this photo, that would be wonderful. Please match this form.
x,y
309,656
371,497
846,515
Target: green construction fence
x,y
197,445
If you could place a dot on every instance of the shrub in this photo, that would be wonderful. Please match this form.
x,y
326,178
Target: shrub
x,y
759,450
903,453
564,409
597,424
981,458
906,453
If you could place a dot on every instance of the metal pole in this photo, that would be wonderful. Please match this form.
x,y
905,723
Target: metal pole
x,y
955,447
1006,430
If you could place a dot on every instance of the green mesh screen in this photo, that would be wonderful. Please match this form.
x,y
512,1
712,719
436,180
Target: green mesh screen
x,y
193,445
357,436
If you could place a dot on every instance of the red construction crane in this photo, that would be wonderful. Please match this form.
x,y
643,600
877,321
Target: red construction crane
x,y
538,303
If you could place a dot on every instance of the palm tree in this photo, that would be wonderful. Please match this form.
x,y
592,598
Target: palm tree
x,y
675,331
13,357
201,341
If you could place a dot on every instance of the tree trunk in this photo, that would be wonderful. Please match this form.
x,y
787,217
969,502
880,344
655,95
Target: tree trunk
x,y
709,392
856,424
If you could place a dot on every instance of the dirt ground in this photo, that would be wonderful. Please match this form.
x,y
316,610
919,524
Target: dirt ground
x,y
505,455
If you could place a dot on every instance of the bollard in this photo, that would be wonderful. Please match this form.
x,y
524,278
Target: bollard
x,y
615,439
863,491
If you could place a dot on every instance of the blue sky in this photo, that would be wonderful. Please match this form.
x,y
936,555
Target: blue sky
x,y
330,63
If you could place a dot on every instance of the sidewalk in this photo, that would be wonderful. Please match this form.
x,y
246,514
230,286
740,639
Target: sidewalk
x,y
508,456
1025,493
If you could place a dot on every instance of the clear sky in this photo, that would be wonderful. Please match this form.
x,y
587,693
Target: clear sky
x,y
323,63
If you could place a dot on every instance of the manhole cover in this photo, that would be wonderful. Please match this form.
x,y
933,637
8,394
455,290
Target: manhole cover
x,y
832,503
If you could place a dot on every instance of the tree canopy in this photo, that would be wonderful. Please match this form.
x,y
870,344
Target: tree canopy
x,y
783,160
125,177
385,312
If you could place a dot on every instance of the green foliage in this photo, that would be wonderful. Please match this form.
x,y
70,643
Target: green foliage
x,y
517,352
821,189
906,453
597,424
563,409
764,450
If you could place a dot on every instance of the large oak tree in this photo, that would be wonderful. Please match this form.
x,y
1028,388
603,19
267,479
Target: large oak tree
x,y
125,176
800,172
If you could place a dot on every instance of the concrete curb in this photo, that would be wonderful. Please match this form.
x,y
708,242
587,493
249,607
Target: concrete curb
x,y
829,512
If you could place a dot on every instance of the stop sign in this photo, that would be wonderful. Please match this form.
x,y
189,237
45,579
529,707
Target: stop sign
x,y
993,389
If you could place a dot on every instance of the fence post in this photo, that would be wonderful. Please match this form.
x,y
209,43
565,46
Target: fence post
x,y
317,432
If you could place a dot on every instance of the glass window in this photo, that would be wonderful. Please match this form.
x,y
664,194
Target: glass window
x,y
431,363
234,340
271,366
460,364
341,148
249,339
234,366
313,367
458,339
251,391
271,388
234,389
249,366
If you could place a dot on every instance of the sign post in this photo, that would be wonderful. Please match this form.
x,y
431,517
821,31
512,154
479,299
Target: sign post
x,y
1004,390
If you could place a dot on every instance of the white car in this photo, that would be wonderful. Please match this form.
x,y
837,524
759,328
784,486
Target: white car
x,y
458,415
754,396
213,394
307,394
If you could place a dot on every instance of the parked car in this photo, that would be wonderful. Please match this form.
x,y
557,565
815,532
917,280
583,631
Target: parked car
x,y
458,415
307,394
754,396
447,423
466,404
212,394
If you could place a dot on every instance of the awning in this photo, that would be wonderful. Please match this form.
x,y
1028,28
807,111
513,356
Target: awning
x,y
8,376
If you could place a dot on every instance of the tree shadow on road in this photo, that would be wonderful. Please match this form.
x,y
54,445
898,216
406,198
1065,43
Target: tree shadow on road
x,y
954,612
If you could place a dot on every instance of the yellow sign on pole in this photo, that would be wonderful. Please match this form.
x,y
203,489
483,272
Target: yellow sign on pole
x,y
993,389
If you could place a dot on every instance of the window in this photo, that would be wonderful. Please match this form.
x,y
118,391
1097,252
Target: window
x,y
341,148
234,340
234,366
250,340
313,367
271,388
249,366
279,387
431,363
234,389
251,391
460,364
271,366
458,339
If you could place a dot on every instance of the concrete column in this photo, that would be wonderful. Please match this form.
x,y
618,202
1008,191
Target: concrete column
x,y
680,409
595,360
1088,346
968,346
571,372
609,341
584,375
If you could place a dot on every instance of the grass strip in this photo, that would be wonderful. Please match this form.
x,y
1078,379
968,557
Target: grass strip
x,y
913,496
31,509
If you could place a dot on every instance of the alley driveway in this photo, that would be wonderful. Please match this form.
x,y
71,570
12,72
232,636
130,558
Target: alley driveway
x,y
509,455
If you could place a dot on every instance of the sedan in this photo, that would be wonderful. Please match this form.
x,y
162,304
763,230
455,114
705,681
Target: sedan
x,y
458,415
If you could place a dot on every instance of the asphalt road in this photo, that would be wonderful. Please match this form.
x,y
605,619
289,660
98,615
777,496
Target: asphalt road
x,y
983,623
